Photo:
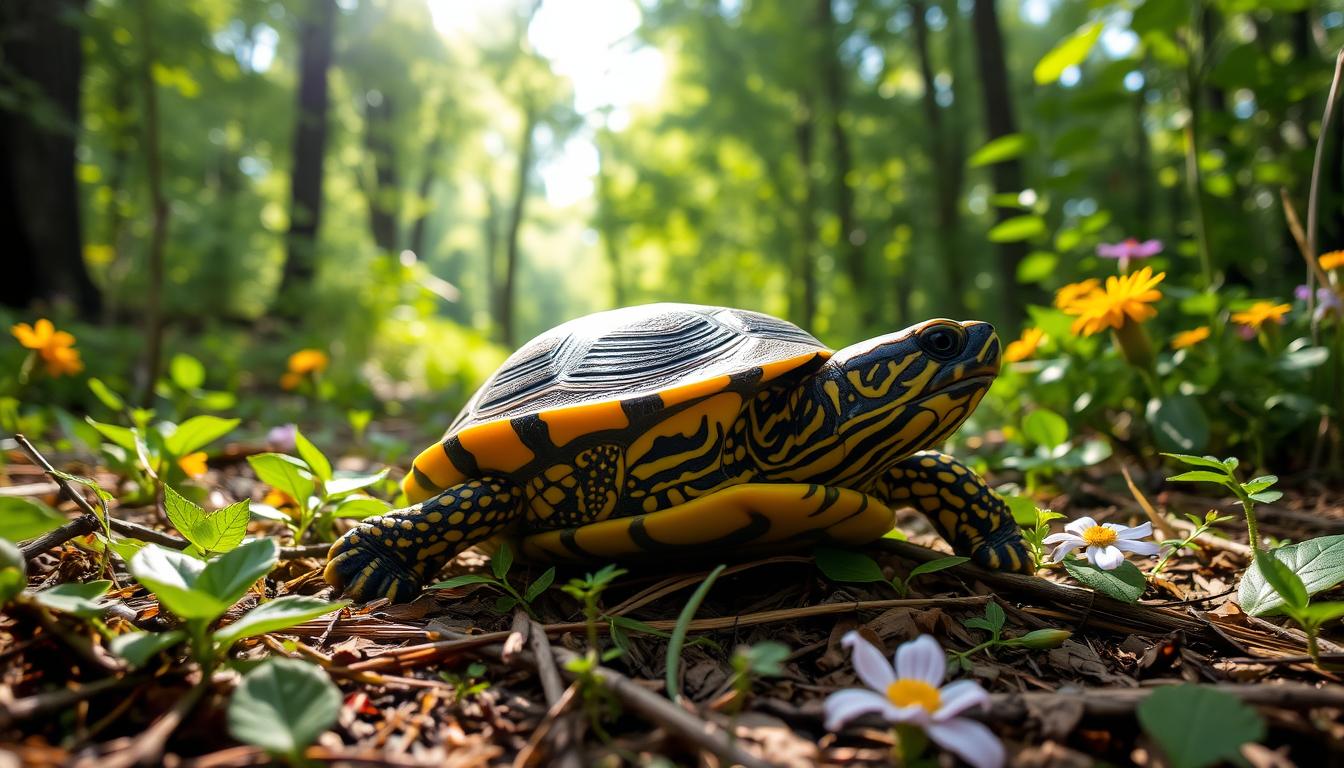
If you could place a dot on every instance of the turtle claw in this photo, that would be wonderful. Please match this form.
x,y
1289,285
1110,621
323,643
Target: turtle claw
x,y
1004,551
364,571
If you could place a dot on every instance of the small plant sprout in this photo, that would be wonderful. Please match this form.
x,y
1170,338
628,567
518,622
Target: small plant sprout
x,y
321,495
466,683
1035,523
992,622
500,564
751,663
1297,603
1201,527
1106,544
908,695
1224,472
599,703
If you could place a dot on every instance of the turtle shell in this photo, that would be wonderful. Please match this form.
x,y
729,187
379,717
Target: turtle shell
x,y
587,374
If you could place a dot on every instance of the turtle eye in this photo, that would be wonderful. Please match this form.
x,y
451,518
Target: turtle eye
x,y
943,342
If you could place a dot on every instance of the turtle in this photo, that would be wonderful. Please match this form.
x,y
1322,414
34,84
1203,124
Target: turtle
x,y
666,429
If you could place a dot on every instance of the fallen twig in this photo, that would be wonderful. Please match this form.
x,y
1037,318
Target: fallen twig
x,y
566,743
12,709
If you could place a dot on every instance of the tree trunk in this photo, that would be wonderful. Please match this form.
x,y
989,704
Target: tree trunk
x,y
511,245
316,31
39,203
999,121
382,190
852,236
158,238
419,226
806,270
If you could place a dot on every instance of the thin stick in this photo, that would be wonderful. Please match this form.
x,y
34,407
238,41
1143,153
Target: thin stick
x,y
1159,522
557,698
1314,193
12,710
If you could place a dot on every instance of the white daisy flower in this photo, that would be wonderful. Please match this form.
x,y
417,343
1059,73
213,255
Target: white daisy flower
x,y
908,692
1106,544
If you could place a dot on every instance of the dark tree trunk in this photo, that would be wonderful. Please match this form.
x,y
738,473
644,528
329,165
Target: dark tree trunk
x,y
999,121
158,238
419,226
316,32
39,203
382,190
852,236
516,213
806,270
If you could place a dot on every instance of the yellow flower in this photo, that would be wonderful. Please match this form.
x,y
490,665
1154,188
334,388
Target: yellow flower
x,y
1125,298
1074,291
1025,346
193,464
1261,312
56,348
291,380
282,501
1189,338
1332,260
308,361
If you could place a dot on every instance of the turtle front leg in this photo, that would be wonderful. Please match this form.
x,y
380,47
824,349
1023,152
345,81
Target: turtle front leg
x,y
392,555
965,512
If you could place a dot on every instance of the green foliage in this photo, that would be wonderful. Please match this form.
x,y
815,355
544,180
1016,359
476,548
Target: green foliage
x,y
598,702
320,494
1125,583
1035,523
845,565
75,598
1070,52
1197,726
1315,565
751,663
681,628
13,571
466,683
500,563
22,518
282,706
992,623
210,533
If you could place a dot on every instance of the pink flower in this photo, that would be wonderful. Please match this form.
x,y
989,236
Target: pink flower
x,y
282,438
1130,249
908,692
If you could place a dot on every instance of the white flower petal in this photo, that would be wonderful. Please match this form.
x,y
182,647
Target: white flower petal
x,y
1106,558
1137,532
1063,550
869,664
969,740
922,659
1138,547
958,697
1056,538
1081,524
843,706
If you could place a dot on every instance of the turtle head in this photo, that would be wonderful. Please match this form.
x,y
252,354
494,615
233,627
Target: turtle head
x,y
909,390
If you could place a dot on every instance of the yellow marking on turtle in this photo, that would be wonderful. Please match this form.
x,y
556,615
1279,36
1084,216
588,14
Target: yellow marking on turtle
x,y
719,411
496,446
566,424
772,371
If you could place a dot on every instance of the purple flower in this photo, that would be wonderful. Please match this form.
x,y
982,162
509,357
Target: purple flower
x,y
1302,292
282,438
1327,301
1130,249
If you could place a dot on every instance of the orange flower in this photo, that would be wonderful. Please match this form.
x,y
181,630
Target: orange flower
x,y
279,499
308,361
1189,338
1025,346
193,464
1260,313
291,380
56,348
1074,291
1125,299
1332,260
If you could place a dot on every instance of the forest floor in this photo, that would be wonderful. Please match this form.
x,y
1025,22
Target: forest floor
x,y
448,680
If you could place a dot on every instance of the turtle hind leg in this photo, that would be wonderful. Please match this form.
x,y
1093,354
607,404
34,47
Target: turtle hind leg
x,y
965,512
392,555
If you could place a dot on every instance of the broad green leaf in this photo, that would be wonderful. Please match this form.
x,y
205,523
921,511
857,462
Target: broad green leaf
x,y
282,706
285,473
137,648
502,560
1282,580
126,548
1017,228
1303,359
1023,509
315,459
1197,726
1318,563
105,395
280,613
1322,612
1125,583
362,507
339,486
1267,497
197,432
185,516
186,372
1200,476
75,598
1259,484
209,532
842,565
543,583
464,580
122,437
1003,148
1070,52
229,576
22,519
1208,462
172,577
933,566
1047,428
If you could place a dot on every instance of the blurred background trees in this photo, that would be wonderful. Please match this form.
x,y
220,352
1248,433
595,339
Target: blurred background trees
x,y
413,179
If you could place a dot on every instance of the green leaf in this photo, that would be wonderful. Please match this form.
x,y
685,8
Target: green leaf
x,y
1178,423
1267,497
285,473
1208,462
678,640
1023,509
122,437
283,705
315,459
229,576
1047,428
172,577
209,532
339,486
186,372
1125,583
844,565
197,432
1016,229
464,580
137,648
75,598
1259,484
362,507
22,519
1197,726
502,561
105,395
13,571
1318,563
1321,613
280,613
1007,147
1282,579
536,588
1070,52
1200,476
933,566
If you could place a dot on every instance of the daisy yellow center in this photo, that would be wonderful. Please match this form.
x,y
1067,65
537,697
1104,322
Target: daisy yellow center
x,y
1099,536
917,693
